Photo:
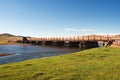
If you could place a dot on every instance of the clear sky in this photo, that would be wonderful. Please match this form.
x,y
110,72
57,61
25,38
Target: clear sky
x,y
59,17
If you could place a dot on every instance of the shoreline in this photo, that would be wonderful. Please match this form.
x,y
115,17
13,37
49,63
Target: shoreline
x,y
14,44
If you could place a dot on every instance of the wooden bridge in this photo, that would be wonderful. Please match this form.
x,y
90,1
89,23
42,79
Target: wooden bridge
x,y
90,41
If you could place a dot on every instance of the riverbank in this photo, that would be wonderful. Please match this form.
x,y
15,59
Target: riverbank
x,y
3,42
11,43
92,64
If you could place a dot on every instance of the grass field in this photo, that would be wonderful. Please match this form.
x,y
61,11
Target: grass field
x,y
92,64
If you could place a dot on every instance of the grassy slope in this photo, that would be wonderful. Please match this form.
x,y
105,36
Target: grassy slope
x,y
93,64
5,38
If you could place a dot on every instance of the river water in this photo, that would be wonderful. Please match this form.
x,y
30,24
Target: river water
x,y
25,52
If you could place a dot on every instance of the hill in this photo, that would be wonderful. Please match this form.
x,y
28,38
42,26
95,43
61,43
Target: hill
x,y
7,34
7,38
93,64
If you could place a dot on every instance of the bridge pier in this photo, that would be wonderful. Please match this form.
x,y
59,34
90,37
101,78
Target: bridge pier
x,y
74,44
84,44
33,42
60,43
40,42
66,43
91,44
48,43
24,40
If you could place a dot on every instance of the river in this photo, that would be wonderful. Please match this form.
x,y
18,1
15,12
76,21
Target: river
x,y
25,52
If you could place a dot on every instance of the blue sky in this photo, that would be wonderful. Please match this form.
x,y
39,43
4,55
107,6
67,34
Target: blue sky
x,y
44,18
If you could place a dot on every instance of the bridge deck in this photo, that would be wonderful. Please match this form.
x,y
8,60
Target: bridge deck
x,y
78,38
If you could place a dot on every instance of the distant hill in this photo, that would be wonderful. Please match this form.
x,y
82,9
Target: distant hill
x,y
7,35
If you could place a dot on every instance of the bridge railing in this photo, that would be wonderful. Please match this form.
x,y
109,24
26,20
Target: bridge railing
x,y
75,38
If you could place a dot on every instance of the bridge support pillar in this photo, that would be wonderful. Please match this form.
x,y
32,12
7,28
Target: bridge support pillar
x,y
60,43
40,42
74,44
24,40
66,43
48,43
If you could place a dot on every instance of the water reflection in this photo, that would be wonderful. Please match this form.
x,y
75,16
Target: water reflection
x,y
22,52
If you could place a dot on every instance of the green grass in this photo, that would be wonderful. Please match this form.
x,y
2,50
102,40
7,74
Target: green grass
x,y
92,64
